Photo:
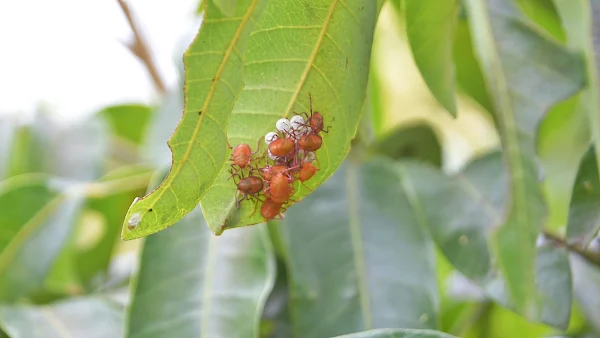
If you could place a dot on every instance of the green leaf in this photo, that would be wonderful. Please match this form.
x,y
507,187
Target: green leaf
x,y
462,212
584,211
417,141
128,121
526,74
316,47
193,284
398,333
89,317
26,153
37,215
214,79
543,13
226,6
578,18
563,138
468,72
430,26
381,270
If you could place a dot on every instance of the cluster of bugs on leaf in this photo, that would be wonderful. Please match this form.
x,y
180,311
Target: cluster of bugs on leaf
x,y
289,158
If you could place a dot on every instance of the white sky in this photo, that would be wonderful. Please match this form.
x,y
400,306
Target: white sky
x,y
68,55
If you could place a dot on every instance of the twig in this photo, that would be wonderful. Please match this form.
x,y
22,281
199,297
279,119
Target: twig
x,y
139,49
589,256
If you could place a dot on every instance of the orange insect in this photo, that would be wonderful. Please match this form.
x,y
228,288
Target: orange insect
x,y
270,209
271,171
241,155
310,142
282,147
307,171
280,189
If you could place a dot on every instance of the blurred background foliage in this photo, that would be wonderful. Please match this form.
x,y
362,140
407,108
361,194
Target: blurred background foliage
x,y
338,263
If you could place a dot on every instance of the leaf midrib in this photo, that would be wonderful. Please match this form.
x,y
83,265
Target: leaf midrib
x,y
312,58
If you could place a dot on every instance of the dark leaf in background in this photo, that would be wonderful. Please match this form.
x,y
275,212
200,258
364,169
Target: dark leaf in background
x,y
462,212
398,333
37,215
417,142
584,211
586,286
357,261
89,317
194,284
526,73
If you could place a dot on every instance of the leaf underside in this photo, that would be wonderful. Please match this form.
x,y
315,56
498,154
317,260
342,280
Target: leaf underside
x,y
317,47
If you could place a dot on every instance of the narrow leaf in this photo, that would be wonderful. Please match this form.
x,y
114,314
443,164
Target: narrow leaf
x,y
381,270
563,139
579,18
193,284
214,79
37,216
88,317
398,333
584,211
316,47
526,74
430,26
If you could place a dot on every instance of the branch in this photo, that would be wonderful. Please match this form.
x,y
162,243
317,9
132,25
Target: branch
x,y
139,49
589,256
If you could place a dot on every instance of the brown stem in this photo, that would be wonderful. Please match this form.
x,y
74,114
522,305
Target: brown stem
x,y
589,256
139,49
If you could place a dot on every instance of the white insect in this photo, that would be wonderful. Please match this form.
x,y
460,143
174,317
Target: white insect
x,y
270,137
297,123
134,220
283,125
271,156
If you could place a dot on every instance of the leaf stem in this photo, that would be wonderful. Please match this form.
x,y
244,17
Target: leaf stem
x,y
139,49
589,256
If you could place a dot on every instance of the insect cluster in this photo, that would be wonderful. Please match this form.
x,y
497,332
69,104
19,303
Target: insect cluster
x,y
290,158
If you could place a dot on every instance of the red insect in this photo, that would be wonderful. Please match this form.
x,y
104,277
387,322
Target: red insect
x,y
249,187
310,142
280,189
270,209
282,147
